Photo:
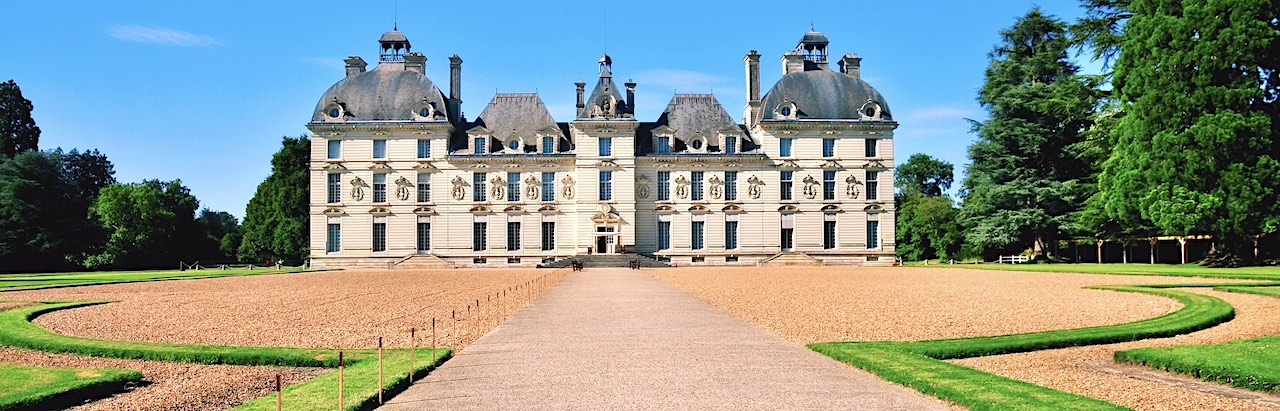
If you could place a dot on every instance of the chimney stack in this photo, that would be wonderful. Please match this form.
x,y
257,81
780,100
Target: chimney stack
x,y
416,62
753,88
455,87
851,64
582,88
355,65
631,96
792,62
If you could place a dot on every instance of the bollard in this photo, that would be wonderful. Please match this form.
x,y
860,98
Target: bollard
x,y
433,340
413,352
341,403
379,370
279,394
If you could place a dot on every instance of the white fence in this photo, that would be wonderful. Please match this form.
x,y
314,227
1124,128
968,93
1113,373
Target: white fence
x,y
1013,259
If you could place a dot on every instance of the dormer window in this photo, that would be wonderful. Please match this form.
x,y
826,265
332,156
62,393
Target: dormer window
x,y
548,144
786,111
664,145
334,112
697,144
514,145
479,145
730,145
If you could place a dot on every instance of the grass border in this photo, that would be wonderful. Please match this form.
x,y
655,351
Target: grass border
x,y
96,278
67,394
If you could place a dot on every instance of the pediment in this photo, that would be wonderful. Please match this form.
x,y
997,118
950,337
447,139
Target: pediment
x,y
699,209
732,209
831,208
789,165
334,166
479,131
425,167
379,211
548,209
607,164
480,167
664,209
606,218
875,164
334,211
832,164
424,211
481,209
513,209
874,208
380,165
788,209
663,129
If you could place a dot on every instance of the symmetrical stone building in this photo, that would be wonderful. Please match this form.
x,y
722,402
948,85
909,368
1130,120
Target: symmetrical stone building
x,y
399,176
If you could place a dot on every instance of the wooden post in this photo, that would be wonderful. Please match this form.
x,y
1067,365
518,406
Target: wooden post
x,y
1101,243
453,334
379,370
413,352
1154,242
1182,245
279,395
433,340
341,403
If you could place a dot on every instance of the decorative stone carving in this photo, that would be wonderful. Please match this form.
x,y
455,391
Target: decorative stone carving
x,y
357,189
753,187
810,187
851,188
642,190
531,186
404,188
459,190
870,110
682,187
498,188
567,183
717,187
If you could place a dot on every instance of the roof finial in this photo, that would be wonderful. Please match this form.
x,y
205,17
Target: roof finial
x,y
395,16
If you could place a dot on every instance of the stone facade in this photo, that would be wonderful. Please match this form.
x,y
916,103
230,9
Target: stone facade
x,y
398,175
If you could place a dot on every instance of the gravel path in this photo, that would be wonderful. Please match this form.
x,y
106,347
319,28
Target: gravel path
x,y
1090,371
172,386
824,304
617,339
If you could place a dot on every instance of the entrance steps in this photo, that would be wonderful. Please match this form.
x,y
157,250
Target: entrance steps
x,y
607,260
421,262
789,259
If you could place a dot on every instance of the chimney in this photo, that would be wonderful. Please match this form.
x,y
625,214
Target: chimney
x,y
416,62
851,64
582,88
792,62
753,88
631,96
355,65
455,87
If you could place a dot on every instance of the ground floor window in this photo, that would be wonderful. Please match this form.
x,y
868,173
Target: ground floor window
x,y
698,228
730,235
424,236
479,236
379,237
333,242
548,235
513,236
788,239
664,235
873,234
829,234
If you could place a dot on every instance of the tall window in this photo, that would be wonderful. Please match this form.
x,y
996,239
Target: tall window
x,y
333,193
548,144
829,231
548,235
873,185
480,143
513,186
828,184
379,149
513,235
479,236
424,236
379,237
695,189
664,185
788,232
730,185
828,147
548,186
335,149
871,147
873,234
333,242
730,235
424,149
730,145
785,187
380,188
664,235
606,146
606,185
424,188
664,145
784,147
479,189
698,228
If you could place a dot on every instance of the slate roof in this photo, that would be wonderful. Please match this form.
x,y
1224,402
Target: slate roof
x,y
822,93
389,92
605,87
690,114
519,114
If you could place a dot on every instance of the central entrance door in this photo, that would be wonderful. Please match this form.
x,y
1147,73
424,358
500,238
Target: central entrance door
x,y
606,238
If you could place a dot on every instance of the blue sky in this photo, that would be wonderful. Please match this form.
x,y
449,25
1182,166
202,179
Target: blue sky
x,y
203,90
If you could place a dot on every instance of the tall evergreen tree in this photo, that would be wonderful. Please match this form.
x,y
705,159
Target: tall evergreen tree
x,y
927,221
31,194
276,222
925,175
18,131
1197,149
1024,183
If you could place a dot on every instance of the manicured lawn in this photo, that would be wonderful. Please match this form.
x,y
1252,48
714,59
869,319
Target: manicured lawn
x,y
31,388
18,282
361,380
1173,270
918,364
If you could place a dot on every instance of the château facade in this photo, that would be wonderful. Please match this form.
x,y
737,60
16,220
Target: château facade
x,y
399,175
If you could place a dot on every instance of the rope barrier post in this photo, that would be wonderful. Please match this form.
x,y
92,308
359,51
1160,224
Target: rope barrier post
x,y
413,352
341,403
379,370
279,394
433,340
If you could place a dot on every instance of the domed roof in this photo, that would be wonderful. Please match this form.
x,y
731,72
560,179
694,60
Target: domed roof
x,y
823,94
389,92
393,35
813,37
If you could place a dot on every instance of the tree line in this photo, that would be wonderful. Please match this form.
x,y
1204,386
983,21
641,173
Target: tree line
x,y
65,211
1179,136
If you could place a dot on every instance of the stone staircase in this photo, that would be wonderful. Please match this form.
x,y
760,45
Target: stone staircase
x,y
789,259
421,262
607,260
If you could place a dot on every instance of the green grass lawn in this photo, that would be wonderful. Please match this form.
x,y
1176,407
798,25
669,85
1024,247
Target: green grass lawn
x,y
31,388
1171,270
919,365
361,380
18,282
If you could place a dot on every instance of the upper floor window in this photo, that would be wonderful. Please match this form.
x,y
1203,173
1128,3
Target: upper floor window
x,y
548,145
424,149
873,185
606,185
478,188
730,145
828,147
784,147
664,145
548,186
335,149
664,185
379,148
730,185
480,143
828,184
380,188
871,147
513,186
334,193
606,146
695,189
424,187
784,189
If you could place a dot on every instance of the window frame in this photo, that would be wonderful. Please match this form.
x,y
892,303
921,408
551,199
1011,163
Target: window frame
x,y
697,235
333,188
424,149
380,149
731,235
871,147
605,145
379,237
333,151
479,235
696,185
479,186
664,186
513,186
423,194
664,235
379,188
548,235
513,235
828,147
606,185
786,186
786,147
548,144
873,185
828,185
423,237
333,238
730,186
548,187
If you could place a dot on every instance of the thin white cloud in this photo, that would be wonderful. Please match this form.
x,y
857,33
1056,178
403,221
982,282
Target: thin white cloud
x,y
161,36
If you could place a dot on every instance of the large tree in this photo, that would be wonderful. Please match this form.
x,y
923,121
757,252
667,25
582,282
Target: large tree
x,y
1197,149
18,131
276,222
1023,183
44,205
928,226
150,225
221,235
925,175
